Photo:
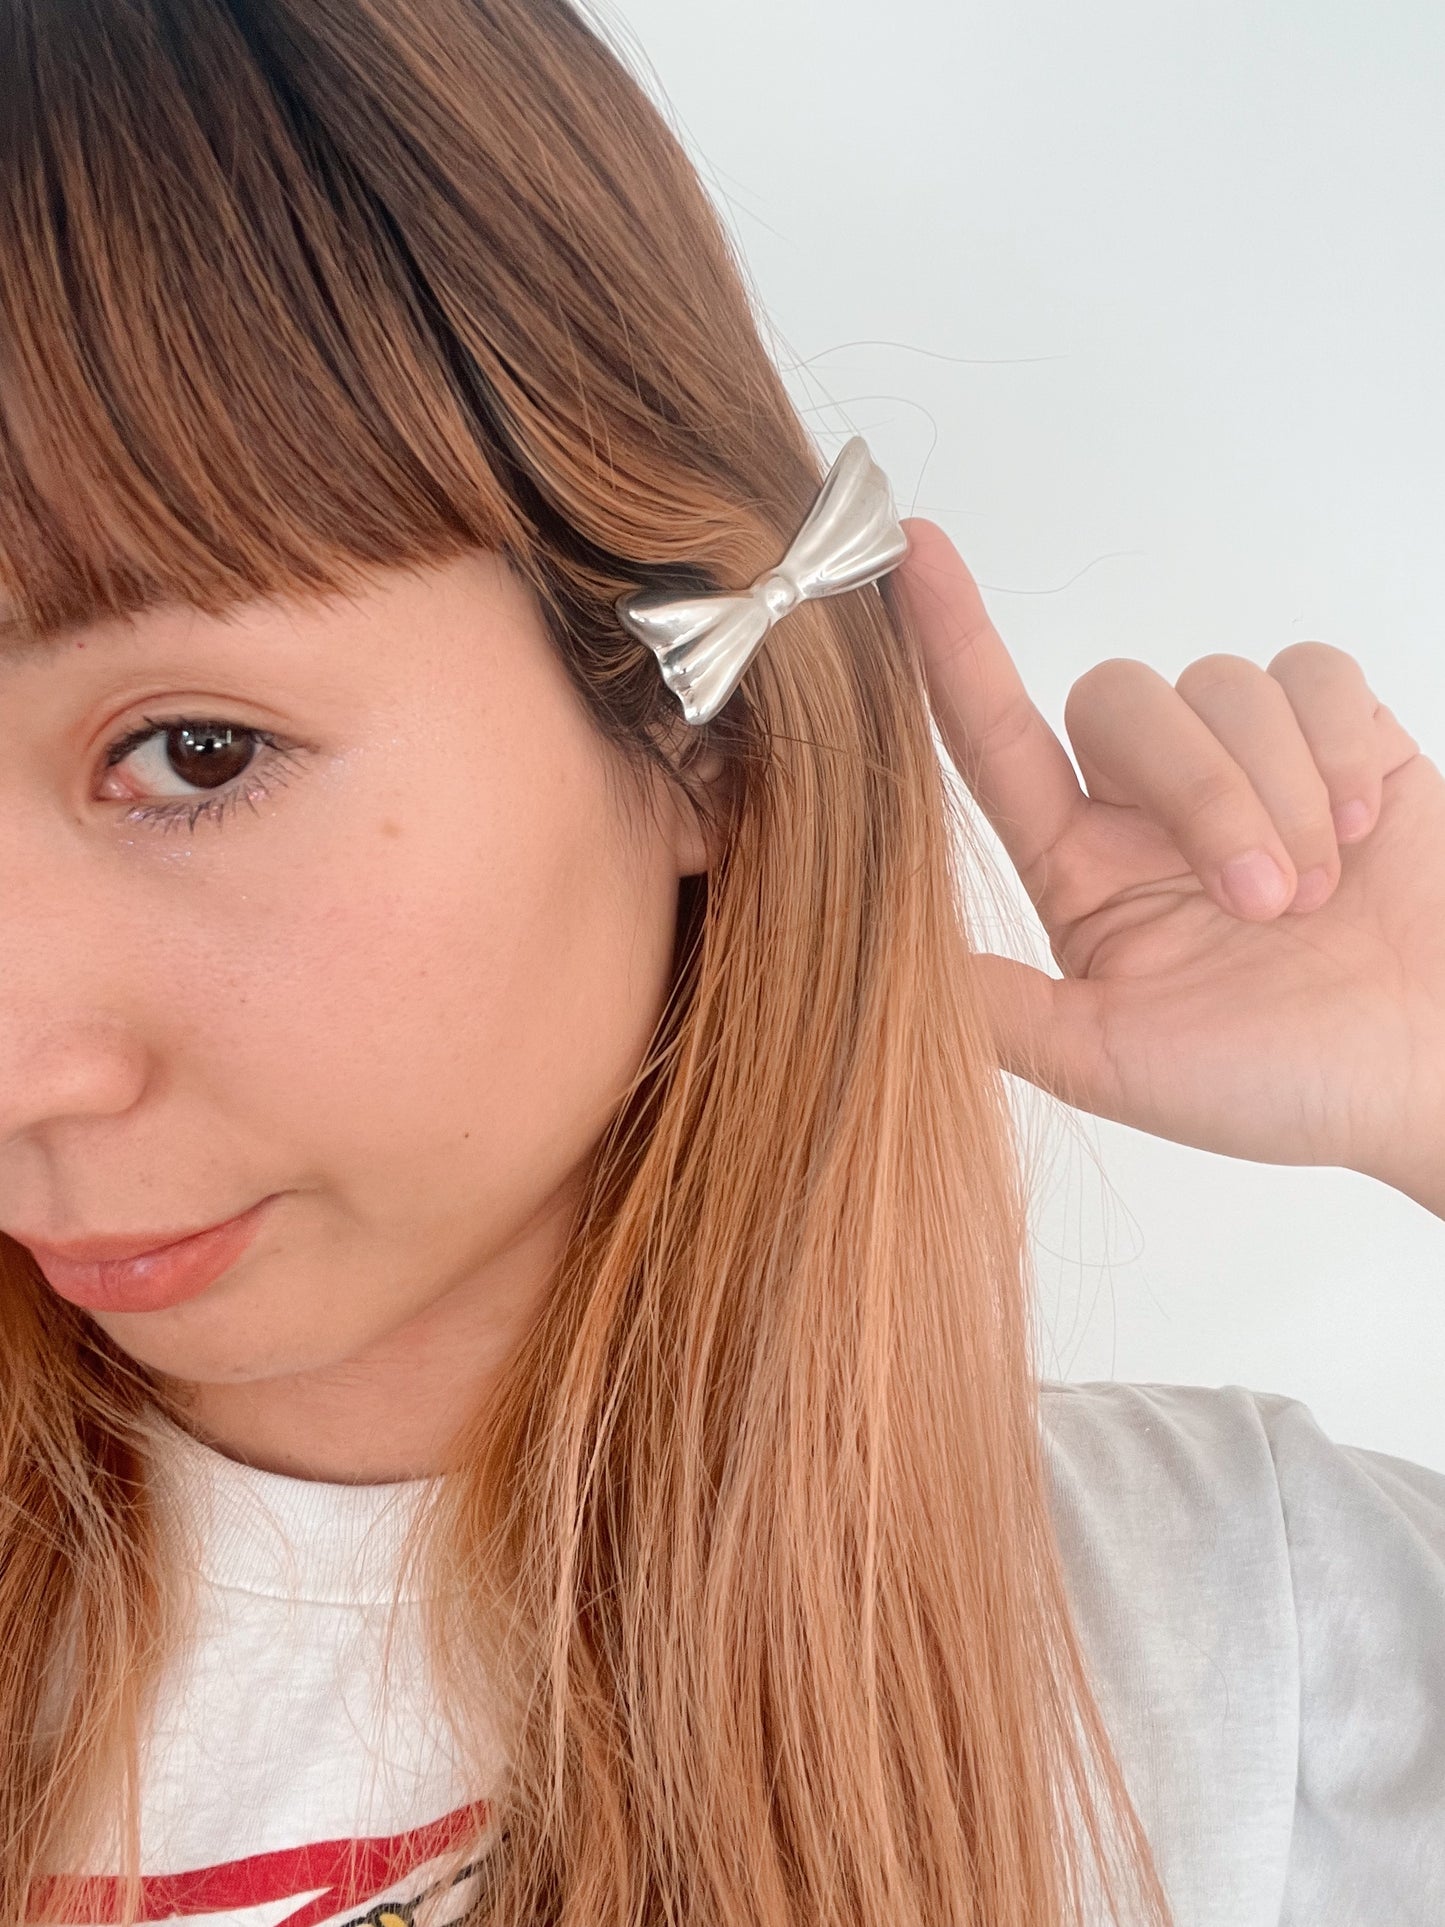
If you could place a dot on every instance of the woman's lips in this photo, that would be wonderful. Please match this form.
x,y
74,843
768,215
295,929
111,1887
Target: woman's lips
x,y
157,1279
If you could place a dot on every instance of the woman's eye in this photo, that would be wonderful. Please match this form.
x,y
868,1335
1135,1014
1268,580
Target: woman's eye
x,y
216,765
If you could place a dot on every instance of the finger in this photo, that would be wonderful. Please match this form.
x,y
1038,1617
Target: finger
x,y
1397,745
1305,739
1140,743
1052,1031
1354,739
1013,763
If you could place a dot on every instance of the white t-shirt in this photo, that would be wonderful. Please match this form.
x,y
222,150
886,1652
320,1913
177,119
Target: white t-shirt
x,y
1264,1610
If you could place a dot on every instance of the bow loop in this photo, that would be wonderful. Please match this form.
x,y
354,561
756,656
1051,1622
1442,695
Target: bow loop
x,y
704,643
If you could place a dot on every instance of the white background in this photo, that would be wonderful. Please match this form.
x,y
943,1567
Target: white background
x,y
1145,304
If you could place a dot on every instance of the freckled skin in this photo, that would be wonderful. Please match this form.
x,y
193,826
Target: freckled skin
x,y
406,989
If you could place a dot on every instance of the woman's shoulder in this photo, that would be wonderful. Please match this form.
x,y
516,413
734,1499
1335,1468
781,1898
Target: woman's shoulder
x,y
1233,1514
1166,1503
1258,1460
1264,1609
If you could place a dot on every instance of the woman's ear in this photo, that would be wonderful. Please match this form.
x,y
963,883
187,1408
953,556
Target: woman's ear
x,y
697,832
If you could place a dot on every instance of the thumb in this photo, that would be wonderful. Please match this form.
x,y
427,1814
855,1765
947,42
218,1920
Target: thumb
x,y
1049,1030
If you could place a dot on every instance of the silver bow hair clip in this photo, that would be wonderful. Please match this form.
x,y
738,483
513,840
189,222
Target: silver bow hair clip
x,y
704,643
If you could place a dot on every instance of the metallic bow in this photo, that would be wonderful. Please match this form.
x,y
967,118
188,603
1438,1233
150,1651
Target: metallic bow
x,y
705,642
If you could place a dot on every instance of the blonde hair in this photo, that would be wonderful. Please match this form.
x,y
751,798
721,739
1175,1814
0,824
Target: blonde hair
x,y
750,1560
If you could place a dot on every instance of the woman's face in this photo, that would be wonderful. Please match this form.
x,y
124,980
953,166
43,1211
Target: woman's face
x,y
402,981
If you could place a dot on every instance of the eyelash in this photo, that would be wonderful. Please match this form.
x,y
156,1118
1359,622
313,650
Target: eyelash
x,y
215,803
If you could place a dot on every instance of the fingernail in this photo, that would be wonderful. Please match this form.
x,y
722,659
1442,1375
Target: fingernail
x,y
1350,820
1255,883
1314,887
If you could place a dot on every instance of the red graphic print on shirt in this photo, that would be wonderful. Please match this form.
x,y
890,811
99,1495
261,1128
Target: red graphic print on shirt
x,y
325,1879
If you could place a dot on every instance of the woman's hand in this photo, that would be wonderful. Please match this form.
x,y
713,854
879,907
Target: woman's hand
x,y
1307,1034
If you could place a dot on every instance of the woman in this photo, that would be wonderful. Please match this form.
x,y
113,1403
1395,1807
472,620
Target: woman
x,y
593,1472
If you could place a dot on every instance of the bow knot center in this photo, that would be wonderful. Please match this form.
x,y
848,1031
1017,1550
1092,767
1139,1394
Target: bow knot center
x,y
780,593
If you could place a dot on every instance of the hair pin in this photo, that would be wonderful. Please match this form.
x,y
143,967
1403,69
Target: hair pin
x,y
704,643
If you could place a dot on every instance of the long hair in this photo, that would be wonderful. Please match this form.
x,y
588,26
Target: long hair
x,y
750,1557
